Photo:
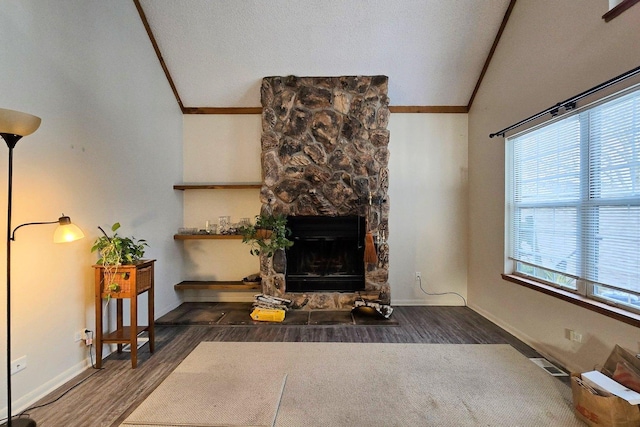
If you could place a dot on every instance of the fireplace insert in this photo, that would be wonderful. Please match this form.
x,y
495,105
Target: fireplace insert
x,y
327,254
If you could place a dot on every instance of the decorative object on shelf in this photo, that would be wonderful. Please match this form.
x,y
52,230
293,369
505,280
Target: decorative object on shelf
x,y
13,126
224,223
267,235
115,251
210,227
187,230
252,279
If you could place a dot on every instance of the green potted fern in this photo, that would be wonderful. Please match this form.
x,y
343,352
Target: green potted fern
x,y
267,236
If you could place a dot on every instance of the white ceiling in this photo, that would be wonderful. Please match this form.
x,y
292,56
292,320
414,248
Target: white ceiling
x,y
218,51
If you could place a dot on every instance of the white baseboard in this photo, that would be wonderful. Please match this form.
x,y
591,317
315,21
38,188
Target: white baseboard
x,y
444,300
33,396
536,345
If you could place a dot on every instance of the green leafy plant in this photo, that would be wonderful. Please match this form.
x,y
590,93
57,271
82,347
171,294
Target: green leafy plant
x,y
116,250
267,235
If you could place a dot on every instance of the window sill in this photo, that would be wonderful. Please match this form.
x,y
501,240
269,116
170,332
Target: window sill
x,y
599,307
624,5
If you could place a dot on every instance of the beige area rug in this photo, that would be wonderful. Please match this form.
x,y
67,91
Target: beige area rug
x,y
349,384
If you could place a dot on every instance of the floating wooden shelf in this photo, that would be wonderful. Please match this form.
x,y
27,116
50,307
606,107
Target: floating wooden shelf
x,y
206,236
222,186
218,285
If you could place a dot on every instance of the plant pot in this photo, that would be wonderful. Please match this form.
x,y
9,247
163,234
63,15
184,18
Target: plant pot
x,y
263,233
131,279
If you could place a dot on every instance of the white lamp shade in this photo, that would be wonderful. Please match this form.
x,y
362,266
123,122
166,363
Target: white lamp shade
x,y
67,233
18,123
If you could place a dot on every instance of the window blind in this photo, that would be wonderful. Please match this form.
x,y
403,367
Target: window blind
x,y
573,202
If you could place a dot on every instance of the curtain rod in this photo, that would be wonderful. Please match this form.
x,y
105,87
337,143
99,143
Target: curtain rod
x,y
570,103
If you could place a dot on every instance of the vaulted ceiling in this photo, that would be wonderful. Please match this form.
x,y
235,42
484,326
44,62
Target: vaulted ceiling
x,y
216,52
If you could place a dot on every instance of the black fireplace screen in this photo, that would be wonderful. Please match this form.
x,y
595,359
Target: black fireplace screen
x,y
327,254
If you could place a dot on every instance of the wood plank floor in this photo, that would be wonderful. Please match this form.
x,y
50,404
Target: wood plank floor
x,y
107,396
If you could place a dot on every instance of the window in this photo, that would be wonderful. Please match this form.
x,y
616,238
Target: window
x,y
573,202
616,7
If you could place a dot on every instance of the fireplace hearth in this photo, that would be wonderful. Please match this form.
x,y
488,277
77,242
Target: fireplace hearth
x,y
327,254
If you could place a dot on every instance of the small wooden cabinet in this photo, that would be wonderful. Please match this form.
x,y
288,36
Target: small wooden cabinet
x,y
132,281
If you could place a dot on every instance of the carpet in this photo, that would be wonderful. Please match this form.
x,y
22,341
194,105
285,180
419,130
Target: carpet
x,y
351,384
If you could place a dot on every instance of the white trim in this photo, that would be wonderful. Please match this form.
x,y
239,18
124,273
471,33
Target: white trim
x,y
443,300
38,393
543,350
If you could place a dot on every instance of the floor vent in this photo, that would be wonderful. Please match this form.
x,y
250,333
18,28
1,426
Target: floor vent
x,y
549,367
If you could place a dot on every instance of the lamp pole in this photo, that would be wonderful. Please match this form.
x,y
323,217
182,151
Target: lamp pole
x,y
13,126
11,144
11,141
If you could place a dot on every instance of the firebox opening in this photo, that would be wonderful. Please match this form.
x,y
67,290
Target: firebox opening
x,y
327,255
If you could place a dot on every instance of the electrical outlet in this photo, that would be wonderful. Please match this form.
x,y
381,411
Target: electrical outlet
x,y
18,365
572,335
418,275
577,336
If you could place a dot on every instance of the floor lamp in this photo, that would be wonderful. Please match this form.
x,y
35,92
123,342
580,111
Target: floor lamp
x,y
13,126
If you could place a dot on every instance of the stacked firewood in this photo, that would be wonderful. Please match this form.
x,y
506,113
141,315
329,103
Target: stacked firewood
x,y
271,302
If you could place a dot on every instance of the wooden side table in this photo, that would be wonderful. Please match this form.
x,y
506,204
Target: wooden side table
x,y
132,281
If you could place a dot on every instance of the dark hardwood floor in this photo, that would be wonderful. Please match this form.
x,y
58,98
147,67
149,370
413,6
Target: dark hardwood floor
x,y
106,397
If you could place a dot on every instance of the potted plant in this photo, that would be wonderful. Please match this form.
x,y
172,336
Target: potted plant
x,y
115,251
268,235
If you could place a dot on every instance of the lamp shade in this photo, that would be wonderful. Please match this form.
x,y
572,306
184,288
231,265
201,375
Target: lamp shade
x,y
66,231
18,123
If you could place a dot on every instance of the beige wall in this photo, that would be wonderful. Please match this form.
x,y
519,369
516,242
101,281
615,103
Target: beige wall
x,y
109,149
427,222
550,51
220,149
427,189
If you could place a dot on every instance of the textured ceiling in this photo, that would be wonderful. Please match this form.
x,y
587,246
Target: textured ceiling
x,y
218,51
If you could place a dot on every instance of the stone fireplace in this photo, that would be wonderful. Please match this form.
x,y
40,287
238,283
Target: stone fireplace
x,y
325,165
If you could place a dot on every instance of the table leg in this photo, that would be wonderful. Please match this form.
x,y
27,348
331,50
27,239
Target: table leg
x,y
119,321
152,333
134,331
98,343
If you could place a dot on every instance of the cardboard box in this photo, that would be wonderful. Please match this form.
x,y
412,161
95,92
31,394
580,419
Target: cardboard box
x,y
597,410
